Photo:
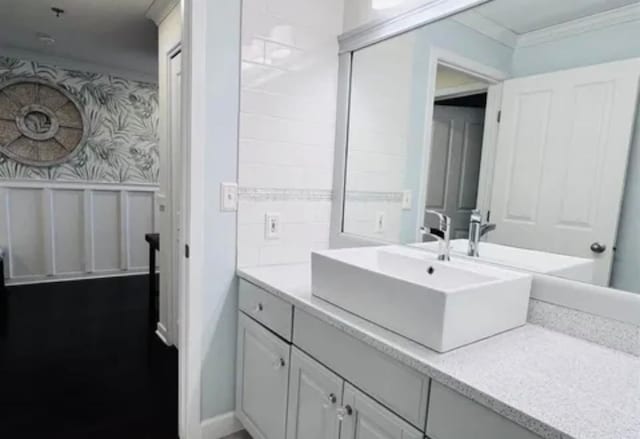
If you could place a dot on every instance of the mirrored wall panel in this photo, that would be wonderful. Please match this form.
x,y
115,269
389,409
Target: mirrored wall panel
x,y
512,131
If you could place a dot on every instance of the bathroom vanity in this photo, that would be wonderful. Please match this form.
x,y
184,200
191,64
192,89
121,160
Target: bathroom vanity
x,y
308,369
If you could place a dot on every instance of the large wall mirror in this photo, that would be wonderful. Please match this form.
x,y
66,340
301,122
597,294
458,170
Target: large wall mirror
x,y
520,116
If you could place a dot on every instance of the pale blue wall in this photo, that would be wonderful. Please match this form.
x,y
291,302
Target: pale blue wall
x,y
219,309
457,38
605,45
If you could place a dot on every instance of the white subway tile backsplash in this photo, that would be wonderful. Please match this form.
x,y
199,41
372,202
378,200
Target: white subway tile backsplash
x,y
287,126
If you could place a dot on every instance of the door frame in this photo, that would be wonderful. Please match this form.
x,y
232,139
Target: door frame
x,y
176,290
494,78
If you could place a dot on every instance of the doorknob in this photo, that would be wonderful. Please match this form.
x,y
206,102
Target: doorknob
x,y
596,247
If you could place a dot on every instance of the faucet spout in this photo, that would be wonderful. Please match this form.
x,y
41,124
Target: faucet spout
x,y
442,234
476,231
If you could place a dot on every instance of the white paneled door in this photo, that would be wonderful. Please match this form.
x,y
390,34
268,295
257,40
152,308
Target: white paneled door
x,y
454,166
561,161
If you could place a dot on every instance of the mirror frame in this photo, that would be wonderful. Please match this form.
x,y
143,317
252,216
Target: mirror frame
x,y
376,32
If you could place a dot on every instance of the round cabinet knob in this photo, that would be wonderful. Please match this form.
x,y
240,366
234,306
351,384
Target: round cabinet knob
x,y
259,307
596,247
331,400
345,411
279,363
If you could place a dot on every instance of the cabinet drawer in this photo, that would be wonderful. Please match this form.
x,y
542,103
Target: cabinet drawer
x,y
398,387
271,311
453,416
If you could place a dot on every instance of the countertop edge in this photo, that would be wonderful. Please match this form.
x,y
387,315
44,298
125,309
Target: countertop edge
x,y
513,414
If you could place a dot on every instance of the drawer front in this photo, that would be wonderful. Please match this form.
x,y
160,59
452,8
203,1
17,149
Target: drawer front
x,y
453,416
398,387
262,380
271,311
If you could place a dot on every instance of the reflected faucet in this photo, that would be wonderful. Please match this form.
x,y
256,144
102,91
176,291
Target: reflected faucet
x,y
442,234
476,231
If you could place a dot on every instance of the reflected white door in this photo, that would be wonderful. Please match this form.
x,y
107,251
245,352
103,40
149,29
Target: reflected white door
x,y
561,161
454,165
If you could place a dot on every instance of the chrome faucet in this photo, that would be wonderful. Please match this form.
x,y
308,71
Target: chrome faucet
x,y
476,231
442,234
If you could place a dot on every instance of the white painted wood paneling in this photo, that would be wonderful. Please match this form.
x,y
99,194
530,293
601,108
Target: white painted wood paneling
x,y
68,231
27,233
106,231
54,231
140,223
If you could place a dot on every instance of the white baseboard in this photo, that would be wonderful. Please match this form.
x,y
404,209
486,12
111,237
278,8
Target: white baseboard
x,y
221,426
161,332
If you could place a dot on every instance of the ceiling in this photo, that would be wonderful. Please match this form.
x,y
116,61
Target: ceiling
x,y
112,34
522,16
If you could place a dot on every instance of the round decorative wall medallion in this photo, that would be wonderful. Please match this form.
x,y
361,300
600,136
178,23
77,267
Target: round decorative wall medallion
x,y
41,124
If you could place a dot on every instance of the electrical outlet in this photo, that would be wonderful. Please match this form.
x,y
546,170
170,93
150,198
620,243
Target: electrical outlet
x,y
406,199
272,226
228,197
380,222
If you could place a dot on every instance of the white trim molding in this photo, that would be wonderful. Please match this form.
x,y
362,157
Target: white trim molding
x,y
488,28
221,426
572,28
405,21
160,9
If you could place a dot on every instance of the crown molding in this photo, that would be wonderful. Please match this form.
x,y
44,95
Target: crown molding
x,y
487,27
579,26
73,64
405,21
160,9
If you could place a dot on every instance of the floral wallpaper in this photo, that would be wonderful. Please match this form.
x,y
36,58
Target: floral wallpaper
x,y
122,117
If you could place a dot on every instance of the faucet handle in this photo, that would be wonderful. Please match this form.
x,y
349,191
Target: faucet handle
x,y
476,216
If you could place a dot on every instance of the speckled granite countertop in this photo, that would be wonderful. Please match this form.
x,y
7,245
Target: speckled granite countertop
x,y
552,384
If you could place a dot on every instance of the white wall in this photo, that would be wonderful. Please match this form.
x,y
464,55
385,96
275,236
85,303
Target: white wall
x,y
287,126
169,38
66,230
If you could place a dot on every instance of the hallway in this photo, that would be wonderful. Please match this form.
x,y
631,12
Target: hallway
x,y
79,360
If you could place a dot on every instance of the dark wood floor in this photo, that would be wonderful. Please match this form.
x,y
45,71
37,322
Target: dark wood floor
x,y
80,360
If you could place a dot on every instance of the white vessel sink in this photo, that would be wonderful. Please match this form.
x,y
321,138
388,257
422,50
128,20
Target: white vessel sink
x,y
567,267
441,305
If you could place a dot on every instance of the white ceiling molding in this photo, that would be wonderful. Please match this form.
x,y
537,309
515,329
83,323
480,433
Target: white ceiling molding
x,y
160,9
571,28
405,21
82,66
487,27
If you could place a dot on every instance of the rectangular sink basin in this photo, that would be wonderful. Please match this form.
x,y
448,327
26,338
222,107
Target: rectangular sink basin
x,y
567,267
441,305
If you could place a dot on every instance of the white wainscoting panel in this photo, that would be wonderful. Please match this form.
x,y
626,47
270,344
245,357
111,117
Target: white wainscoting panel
x,y
68,230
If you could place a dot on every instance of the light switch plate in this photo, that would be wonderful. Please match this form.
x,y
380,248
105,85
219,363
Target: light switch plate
x,y
406,199
228,197
272,226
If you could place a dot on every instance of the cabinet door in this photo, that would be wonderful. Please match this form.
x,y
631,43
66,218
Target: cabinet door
x,y
262,380
315,393
364,418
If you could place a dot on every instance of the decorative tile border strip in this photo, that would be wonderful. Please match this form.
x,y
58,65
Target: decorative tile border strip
x,y
273,194
370,196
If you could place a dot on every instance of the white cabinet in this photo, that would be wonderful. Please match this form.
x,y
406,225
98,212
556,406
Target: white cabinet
x,y
262,380
363,418
315,395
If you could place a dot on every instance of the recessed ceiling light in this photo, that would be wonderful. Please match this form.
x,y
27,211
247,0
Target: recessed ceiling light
x,y
46,38
385,4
